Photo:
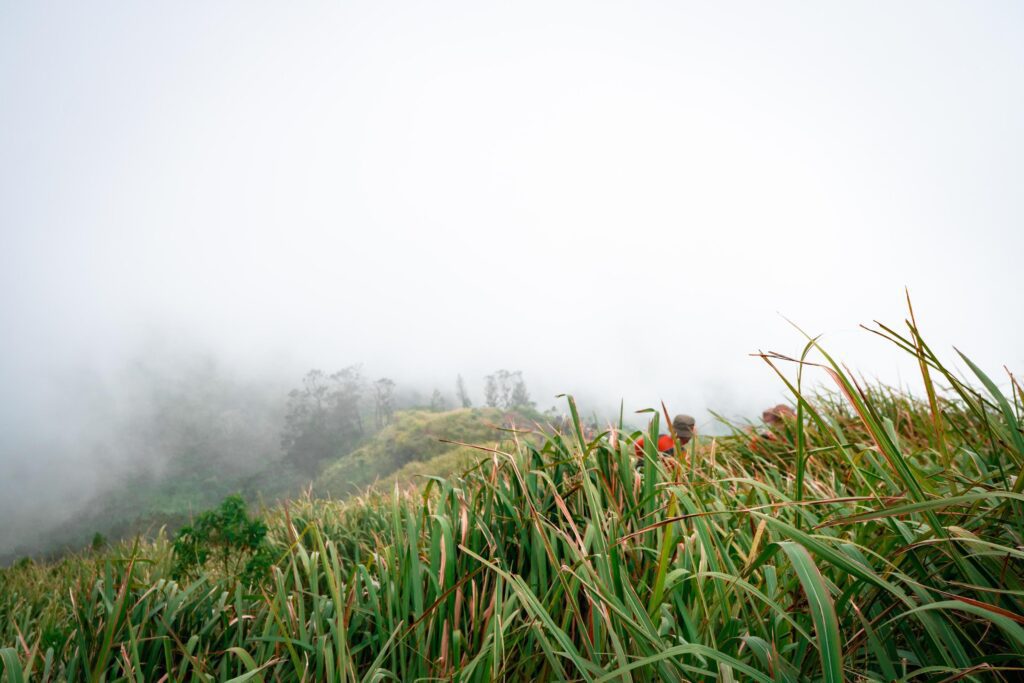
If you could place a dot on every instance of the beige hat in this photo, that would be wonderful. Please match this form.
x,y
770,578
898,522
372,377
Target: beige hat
x,y
683,426
777,414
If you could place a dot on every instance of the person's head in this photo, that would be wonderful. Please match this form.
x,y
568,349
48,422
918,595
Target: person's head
x,y
777,414
683,426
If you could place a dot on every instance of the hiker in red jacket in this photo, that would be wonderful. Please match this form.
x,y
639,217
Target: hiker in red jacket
x,y
682,426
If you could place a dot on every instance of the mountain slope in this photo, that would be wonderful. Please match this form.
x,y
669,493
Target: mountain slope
x,y
417,443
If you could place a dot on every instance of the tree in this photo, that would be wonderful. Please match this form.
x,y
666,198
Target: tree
x,y
226,540
383,401
347,397
437,403
323,418
306,438
463,395
491,391
520,396
507,390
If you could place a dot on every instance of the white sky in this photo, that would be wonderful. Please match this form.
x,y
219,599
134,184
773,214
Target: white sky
x,y
618,198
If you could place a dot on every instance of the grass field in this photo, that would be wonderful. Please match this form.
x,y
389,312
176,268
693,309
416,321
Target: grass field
x,y
875,537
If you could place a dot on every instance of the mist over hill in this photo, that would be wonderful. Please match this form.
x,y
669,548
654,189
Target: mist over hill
x,y
162,416
132,447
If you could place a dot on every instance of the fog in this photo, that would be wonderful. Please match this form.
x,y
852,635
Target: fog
x,y
622,200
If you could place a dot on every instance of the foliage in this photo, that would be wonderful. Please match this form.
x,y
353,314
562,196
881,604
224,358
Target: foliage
x,y
461,393
507,390
491,396
872,537
437,402
224,540
383,401
324,418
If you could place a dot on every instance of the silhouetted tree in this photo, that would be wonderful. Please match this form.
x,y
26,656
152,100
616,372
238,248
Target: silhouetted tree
x,y
507,390
460,391
347,396
437,403
306,438
383,400
323,418
520,396
491,391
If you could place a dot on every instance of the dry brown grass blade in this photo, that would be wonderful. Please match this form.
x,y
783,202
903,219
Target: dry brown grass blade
x,y
755,508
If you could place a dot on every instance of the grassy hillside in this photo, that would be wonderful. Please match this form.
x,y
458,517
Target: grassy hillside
x,y
416,443
402,452
873,537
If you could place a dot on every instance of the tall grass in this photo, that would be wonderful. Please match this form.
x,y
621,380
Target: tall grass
x,y
876,537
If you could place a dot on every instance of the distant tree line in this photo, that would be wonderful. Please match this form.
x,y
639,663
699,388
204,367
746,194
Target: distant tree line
x,y
506,390
503,389
326,416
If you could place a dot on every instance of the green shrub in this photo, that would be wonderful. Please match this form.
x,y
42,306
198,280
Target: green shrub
x,y
225,541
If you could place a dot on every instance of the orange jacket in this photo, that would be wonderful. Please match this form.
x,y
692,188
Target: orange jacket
x,y
665,444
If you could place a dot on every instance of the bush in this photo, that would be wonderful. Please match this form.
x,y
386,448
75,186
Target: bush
x,y
225,541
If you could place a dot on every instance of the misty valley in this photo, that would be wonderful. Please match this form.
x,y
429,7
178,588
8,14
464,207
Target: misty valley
x,y
183,432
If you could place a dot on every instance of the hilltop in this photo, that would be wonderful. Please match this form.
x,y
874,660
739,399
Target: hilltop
x,y
420,442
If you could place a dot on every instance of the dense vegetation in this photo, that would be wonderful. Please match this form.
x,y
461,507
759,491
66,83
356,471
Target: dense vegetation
x,y
875,536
